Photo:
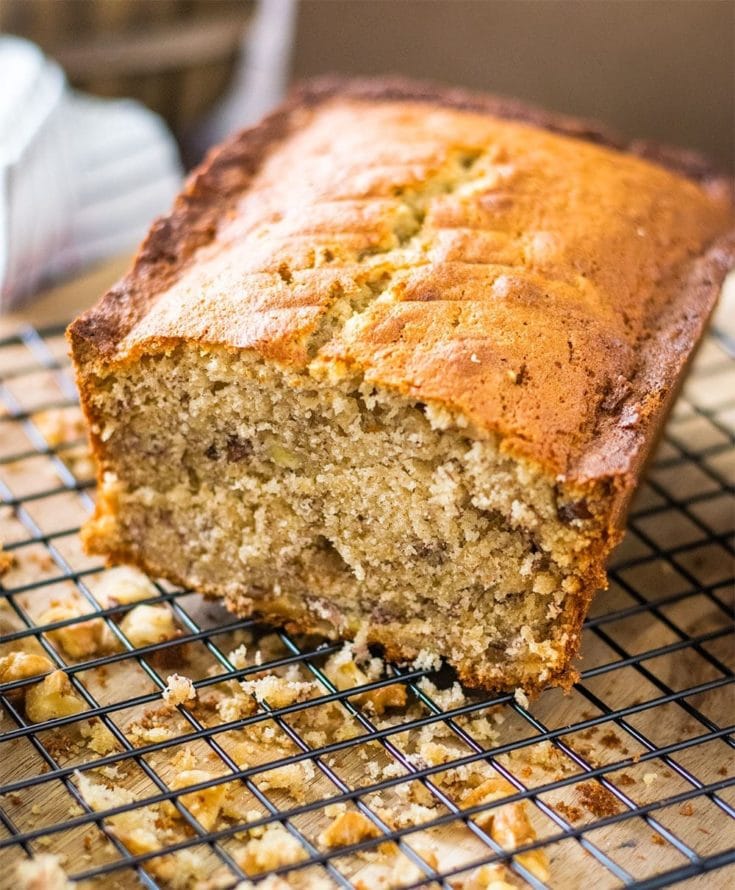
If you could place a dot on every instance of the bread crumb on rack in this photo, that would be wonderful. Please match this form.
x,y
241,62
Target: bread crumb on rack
x,y
52,697
98,736
43,872
154,725
98,796
179,689
276,847
136,828
404,870
239,657
278,692
236,704
427,661
291,778
447,699
596,799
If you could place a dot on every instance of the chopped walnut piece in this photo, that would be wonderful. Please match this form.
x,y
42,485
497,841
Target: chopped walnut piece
x,y
137,839
64,426
146,625
343,670
511,828
124,585
508,825
379,700
22,665
81,639
276,847
488,877
43,872
179,689
205,804
52,697
7,561
492,789
347,829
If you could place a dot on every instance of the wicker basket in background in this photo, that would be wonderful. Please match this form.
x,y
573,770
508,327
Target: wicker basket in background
x,y
176,56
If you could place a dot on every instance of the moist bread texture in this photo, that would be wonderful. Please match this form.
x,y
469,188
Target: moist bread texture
x,y
392,365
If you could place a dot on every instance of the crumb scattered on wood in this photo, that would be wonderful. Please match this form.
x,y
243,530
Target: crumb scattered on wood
x,y
179,690
596,799
43,872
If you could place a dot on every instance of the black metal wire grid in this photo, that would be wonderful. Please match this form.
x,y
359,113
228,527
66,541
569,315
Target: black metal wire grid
x,y
656,687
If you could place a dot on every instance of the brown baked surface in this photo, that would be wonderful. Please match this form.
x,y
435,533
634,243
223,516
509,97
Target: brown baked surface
x,y
585,272
526,281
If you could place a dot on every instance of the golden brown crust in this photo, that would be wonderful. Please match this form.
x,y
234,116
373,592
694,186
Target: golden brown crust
x,y
566,283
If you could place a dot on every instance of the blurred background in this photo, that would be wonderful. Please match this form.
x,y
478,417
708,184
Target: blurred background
x,y
662,69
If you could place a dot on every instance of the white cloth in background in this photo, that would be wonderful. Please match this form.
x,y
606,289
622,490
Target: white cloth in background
x,y
262,73
81,178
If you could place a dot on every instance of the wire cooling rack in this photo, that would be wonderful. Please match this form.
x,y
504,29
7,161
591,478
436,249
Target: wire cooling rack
x,y
644,792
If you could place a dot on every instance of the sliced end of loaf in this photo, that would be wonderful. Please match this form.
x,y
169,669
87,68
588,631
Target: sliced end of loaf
x,y
330,506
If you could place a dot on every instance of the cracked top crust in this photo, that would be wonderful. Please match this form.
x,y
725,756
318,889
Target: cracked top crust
x,y
522,270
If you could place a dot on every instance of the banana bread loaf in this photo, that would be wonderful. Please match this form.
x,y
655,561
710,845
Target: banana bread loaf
x,y
391,367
